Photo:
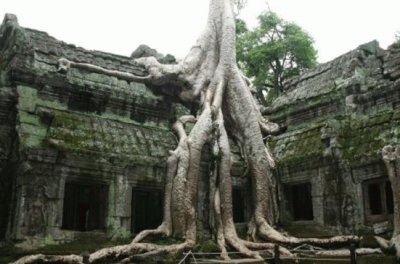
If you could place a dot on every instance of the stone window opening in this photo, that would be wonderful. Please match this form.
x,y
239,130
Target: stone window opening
x,y
84,207
378,200
299,201
147,209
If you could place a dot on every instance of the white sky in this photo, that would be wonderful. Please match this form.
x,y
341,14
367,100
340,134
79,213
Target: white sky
x,y
172,26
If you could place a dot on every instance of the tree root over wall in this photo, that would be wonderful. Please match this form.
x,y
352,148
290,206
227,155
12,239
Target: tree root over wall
x,y
209,76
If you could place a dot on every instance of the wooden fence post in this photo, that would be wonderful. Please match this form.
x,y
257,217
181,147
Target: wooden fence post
x,y
353,255
85,257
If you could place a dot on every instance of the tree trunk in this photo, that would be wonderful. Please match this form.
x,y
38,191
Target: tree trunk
x,y
391,157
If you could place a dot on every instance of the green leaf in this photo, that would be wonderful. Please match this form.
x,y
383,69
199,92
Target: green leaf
x,y
274,51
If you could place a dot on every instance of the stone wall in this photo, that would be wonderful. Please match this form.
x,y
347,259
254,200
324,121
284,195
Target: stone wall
x,y
102,134
7,154
337,118
68,136
76,127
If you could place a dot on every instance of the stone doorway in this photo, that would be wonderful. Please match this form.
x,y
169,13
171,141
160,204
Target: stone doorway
x,y
147,209
84,207
300,201
378,200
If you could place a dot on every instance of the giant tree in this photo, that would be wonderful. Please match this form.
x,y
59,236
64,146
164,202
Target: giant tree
x,y
273,52
209,76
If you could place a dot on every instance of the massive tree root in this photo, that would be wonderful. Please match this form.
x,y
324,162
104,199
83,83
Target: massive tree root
x,y
210,77
391,157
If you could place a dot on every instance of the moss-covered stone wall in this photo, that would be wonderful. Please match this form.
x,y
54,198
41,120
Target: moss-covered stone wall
x,y
336,120
78,127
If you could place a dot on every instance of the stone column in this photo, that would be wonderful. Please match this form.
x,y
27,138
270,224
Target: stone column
x,y
17,228
119,217
55,192
317,194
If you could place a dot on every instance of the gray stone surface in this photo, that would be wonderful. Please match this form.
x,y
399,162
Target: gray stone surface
x,y
81,128
78,127
338,117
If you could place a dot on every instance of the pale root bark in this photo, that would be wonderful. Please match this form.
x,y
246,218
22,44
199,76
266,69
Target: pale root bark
x,y
209,75
391,158
346,252
70,259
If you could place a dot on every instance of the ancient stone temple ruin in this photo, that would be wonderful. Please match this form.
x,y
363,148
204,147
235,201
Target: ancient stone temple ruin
x,y
338,117
84,153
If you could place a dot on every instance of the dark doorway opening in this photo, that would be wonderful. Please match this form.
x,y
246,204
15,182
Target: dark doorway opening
x,y
237,205
6,189
300,201
84,207
375,198
147,209
378,199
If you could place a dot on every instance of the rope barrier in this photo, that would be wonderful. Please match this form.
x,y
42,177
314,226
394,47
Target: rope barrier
x,y
219,253
201,261
190,253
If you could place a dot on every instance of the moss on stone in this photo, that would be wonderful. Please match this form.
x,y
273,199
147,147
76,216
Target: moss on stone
x,y
29,100
361,122
89,134
209,246
299,146
297,100
31,131
368,242
363,135
165,127
116,87
67,134
363,230
3,78
367,135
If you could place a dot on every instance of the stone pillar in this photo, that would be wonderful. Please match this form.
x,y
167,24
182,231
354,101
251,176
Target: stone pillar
x,y
55,193
317,196
119,213
17,228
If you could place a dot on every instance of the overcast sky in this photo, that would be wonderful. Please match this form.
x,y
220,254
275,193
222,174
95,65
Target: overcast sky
x,y
172,26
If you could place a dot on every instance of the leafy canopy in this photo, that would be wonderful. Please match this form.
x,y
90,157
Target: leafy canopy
x,y
272,52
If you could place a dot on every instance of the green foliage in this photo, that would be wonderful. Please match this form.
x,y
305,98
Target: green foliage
x,y
273,52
